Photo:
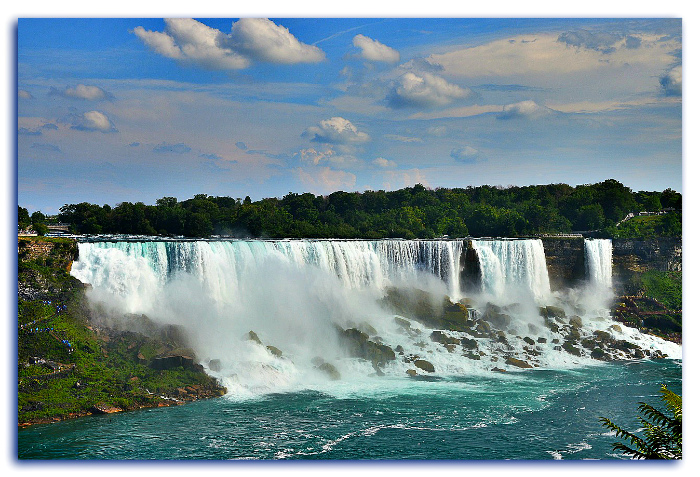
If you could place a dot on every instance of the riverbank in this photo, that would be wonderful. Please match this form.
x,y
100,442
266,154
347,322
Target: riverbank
x,y
69,366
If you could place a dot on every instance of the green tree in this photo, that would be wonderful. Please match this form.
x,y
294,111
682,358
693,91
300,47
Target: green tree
x,y
663,434
23,219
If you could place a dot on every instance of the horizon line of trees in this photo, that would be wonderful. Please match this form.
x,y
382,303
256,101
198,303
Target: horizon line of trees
x,y
412,212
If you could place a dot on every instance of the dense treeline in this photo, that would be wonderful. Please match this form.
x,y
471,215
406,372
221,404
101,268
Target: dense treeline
x,y
413,212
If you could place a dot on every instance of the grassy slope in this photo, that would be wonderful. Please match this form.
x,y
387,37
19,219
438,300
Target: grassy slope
x,y
103,368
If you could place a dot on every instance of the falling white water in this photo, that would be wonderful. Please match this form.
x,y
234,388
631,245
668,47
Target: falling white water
x,y
293,294
598,258
509,266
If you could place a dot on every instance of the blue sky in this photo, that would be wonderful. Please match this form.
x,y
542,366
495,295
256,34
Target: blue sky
x,y
113,110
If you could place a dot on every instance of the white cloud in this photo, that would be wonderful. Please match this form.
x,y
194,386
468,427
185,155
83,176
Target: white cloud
x,y
262,40
326,155
672,82
336,130
524,109
93,121
425,91
372,50
548,55
23,94
251,39
325,180
465,154
384,163
82,91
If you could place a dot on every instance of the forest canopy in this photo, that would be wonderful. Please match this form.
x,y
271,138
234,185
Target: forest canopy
x,y
412,212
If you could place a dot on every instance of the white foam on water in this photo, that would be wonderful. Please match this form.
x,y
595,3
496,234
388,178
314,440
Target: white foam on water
x,y
294,293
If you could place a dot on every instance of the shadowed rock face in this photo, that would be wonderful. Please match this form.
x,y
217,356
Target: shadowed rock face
x,y
631,257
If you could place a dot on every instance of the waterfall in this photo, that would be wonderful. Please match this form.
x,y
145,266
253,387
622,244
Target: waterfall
x,y
296,295
598,258
509,266
219,265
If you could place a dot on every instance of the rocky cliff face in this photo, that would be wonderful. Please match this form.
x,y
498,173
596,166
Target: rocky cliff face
x,y
631,257
565,261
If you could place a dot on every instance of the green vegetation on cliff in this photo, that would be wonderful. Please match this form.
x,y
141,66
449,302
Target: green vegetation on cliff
x,y
68,366
656,304
413,212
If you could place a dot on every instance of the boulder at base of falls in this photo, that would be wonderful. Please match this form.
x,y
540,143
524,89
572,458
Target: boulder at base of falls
x,y
576,321
469,343
492,314
552,312
426,366
252,336
571,349
329,370
275,351
529,340
498,370
359,345
443,339
412,373
518,363
599,354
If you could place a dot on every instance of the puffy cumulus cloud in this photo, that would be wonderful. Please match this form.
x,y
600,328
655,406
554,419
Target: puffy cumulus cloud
x,y
82,91
263,40
465,154
424,91
179,148
93,121
550,55
373,50
251,39
672,82
24,94
383,163
325,180
336,130
524,109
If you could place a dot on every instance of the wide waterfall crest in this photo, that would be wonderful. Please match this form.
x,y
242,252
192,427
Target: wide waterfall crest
x,y
361,309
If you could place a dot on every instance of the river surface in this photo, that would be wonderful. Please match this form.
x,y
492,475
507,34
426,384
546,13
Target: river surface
x,y
536,414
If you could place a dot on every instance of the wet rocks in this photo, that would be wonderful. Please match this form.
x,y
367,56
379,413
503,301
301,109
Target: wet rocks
x,y
529,340
275,351
359,345
329,370
214,365
426,366
517,363
252,336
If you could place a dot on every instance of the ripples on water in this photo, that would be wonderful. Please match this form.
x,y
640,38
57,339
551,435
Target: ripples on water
x,y
536,414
